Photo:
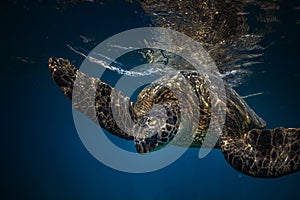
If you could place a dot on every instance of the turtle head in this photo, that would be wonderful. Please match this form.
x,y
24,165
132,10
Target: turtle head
x,y
158,118
64,74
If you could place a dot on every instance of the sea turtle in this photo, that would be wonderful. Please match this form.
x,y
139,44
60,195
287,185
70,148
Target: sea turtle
x,y
220,26
245,144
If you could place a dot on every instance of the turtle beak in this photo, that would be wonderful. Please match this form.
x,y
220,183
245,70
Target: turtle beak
x,y
142,147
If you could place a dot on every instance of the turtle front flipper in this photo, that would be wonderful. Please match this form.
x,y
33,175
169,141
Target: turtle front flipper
x,y
151,123
93,98
264,153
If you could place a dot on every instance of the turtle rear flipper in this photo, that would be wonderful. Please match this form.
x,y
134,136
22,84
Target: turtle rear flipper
x,y
264,153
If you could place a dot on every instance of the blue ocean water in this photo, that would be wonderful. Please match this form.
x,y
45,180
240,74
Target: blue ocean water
x,y
43,157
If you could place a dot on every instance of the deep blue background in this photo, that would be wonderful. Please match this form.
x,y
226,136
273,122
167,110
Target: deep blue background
x,y
42,155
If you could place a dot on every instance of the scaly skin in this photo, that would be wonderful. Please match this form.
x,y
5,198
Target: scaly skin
x,y
244,143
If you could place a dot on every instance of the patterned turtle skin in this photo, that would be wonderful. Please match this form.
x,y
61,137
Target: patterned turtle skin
x,y
246,146
221,28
